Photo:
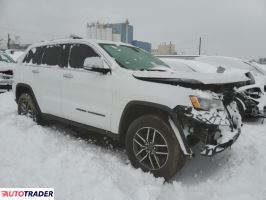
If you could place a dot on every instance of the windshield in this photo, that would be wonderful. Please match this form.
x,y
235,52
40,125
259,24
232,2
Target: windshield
x,y
6,58
132,58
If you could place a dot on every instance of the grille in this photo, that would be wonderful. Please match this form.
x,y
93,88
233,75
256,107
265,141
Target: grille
x,y
6,74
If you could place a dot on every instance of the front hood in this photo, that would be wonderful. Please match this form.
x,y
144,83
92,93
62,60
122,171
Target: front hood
x,y
190,77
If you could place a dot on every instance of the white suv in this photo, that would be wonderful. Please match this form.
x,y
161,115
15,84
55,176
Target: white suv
x,y
124,92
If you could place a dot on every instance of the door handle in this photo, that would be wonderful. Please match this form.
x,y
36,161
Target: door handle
x,y
68,76
35,71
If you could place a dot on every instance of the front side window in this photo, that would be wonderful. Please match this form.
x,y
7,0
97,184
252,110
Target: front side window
x,y
132,58
78,54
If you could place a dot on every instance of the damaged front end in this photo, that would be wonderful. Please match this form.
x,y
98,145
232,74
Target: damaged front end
x,y
217,128
214,121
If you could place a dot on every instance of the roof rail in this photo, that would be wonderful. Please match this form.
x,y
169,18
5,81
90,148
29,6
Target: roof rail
x,y
73,36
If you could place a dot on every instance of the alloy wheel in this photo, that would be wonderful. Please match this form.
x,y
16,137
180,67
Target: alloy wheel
x,y
150,148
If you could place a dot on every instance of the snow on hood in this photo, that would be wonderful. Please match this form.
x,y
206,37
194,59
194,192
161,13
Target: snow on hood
x,y
191,77
198,66
4,66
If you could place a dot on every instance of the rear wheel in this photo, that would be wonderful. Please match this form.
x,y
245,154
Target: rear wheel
x,y
27,107
152,146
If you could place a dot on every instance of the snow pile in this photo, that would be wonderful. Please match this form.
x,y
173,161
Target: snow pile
x,y
35,156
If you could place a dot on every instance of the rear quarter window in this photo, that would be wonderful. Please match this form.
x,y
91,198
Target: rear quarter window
x,y
34,56
28,58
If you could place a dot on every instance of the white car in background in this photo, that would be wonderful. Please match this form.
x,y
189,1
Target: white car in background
x,y
256,90
253,103
6,72
14,54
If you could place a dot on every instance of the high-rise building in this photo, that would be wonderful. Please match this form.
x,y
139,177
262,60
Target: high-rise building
x,y
125,30
118,32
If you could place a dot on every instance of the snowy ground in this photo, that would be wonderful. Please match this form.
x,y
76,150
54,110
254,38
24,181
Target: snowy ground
x,y
35,156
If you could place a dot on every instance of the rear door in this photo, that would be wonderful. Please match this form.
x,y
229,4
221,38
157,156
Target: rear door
x,y
86,95
45,66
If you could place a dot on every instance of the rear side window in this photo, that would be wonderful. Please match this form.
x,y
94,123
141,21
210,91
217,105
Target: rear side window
x,y
78,54
49,55
52,55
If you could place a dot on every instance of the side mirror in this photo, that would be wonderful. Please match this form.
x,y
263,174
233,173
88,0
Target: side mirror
x,y
95,64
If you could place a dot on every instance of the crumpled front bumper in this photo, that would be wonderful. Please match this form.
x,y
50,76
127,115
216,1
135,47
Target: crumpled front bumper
x,y
224,135
225,141
217,130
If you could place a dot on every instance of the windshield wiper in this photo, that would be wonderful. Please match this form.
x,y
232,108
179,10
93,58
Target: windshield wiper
x,y
158,70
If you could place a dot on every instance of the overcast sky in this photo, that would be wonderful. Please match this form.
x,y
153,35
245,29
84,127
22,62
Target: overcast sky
x,y
227,27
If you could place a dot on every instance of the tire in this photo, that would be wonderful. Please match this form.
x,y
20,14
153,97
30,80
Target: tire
x,y
164,156
27,107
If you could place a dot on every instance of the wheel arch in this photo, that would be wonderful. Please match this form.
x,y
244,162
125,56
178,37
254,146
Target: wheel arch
x,y
25,88
135,109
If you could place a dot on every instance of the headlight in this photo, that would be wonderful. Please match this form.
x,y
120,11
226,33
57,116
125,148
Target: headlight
x,y
206,104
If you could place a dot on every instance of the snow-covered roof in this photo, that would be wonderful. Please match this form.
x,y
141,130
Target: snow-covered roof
x,y
71,40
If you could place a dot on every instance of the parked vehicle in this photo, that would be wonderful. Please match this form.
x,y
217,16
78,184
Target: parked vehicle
x,y
124,92
253,101
256,90
14,54
6,72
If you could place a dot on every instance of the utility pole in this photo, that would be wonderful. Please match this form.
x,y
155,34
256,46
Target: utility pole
x,y
200,46
8,41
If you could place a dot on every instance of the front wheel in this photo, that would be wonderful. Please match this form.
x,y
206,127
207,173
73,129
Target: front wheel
x,y
152,146
27,107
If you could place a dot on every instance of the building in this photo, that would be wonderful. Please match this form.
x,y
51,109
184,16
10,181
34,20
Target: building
x,y
102,32
143,45
165,49
262,61
13,44
125,30
118,32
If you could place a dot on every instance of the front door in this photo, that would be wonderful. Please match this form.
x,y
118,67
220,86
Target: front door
x,y
86,95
